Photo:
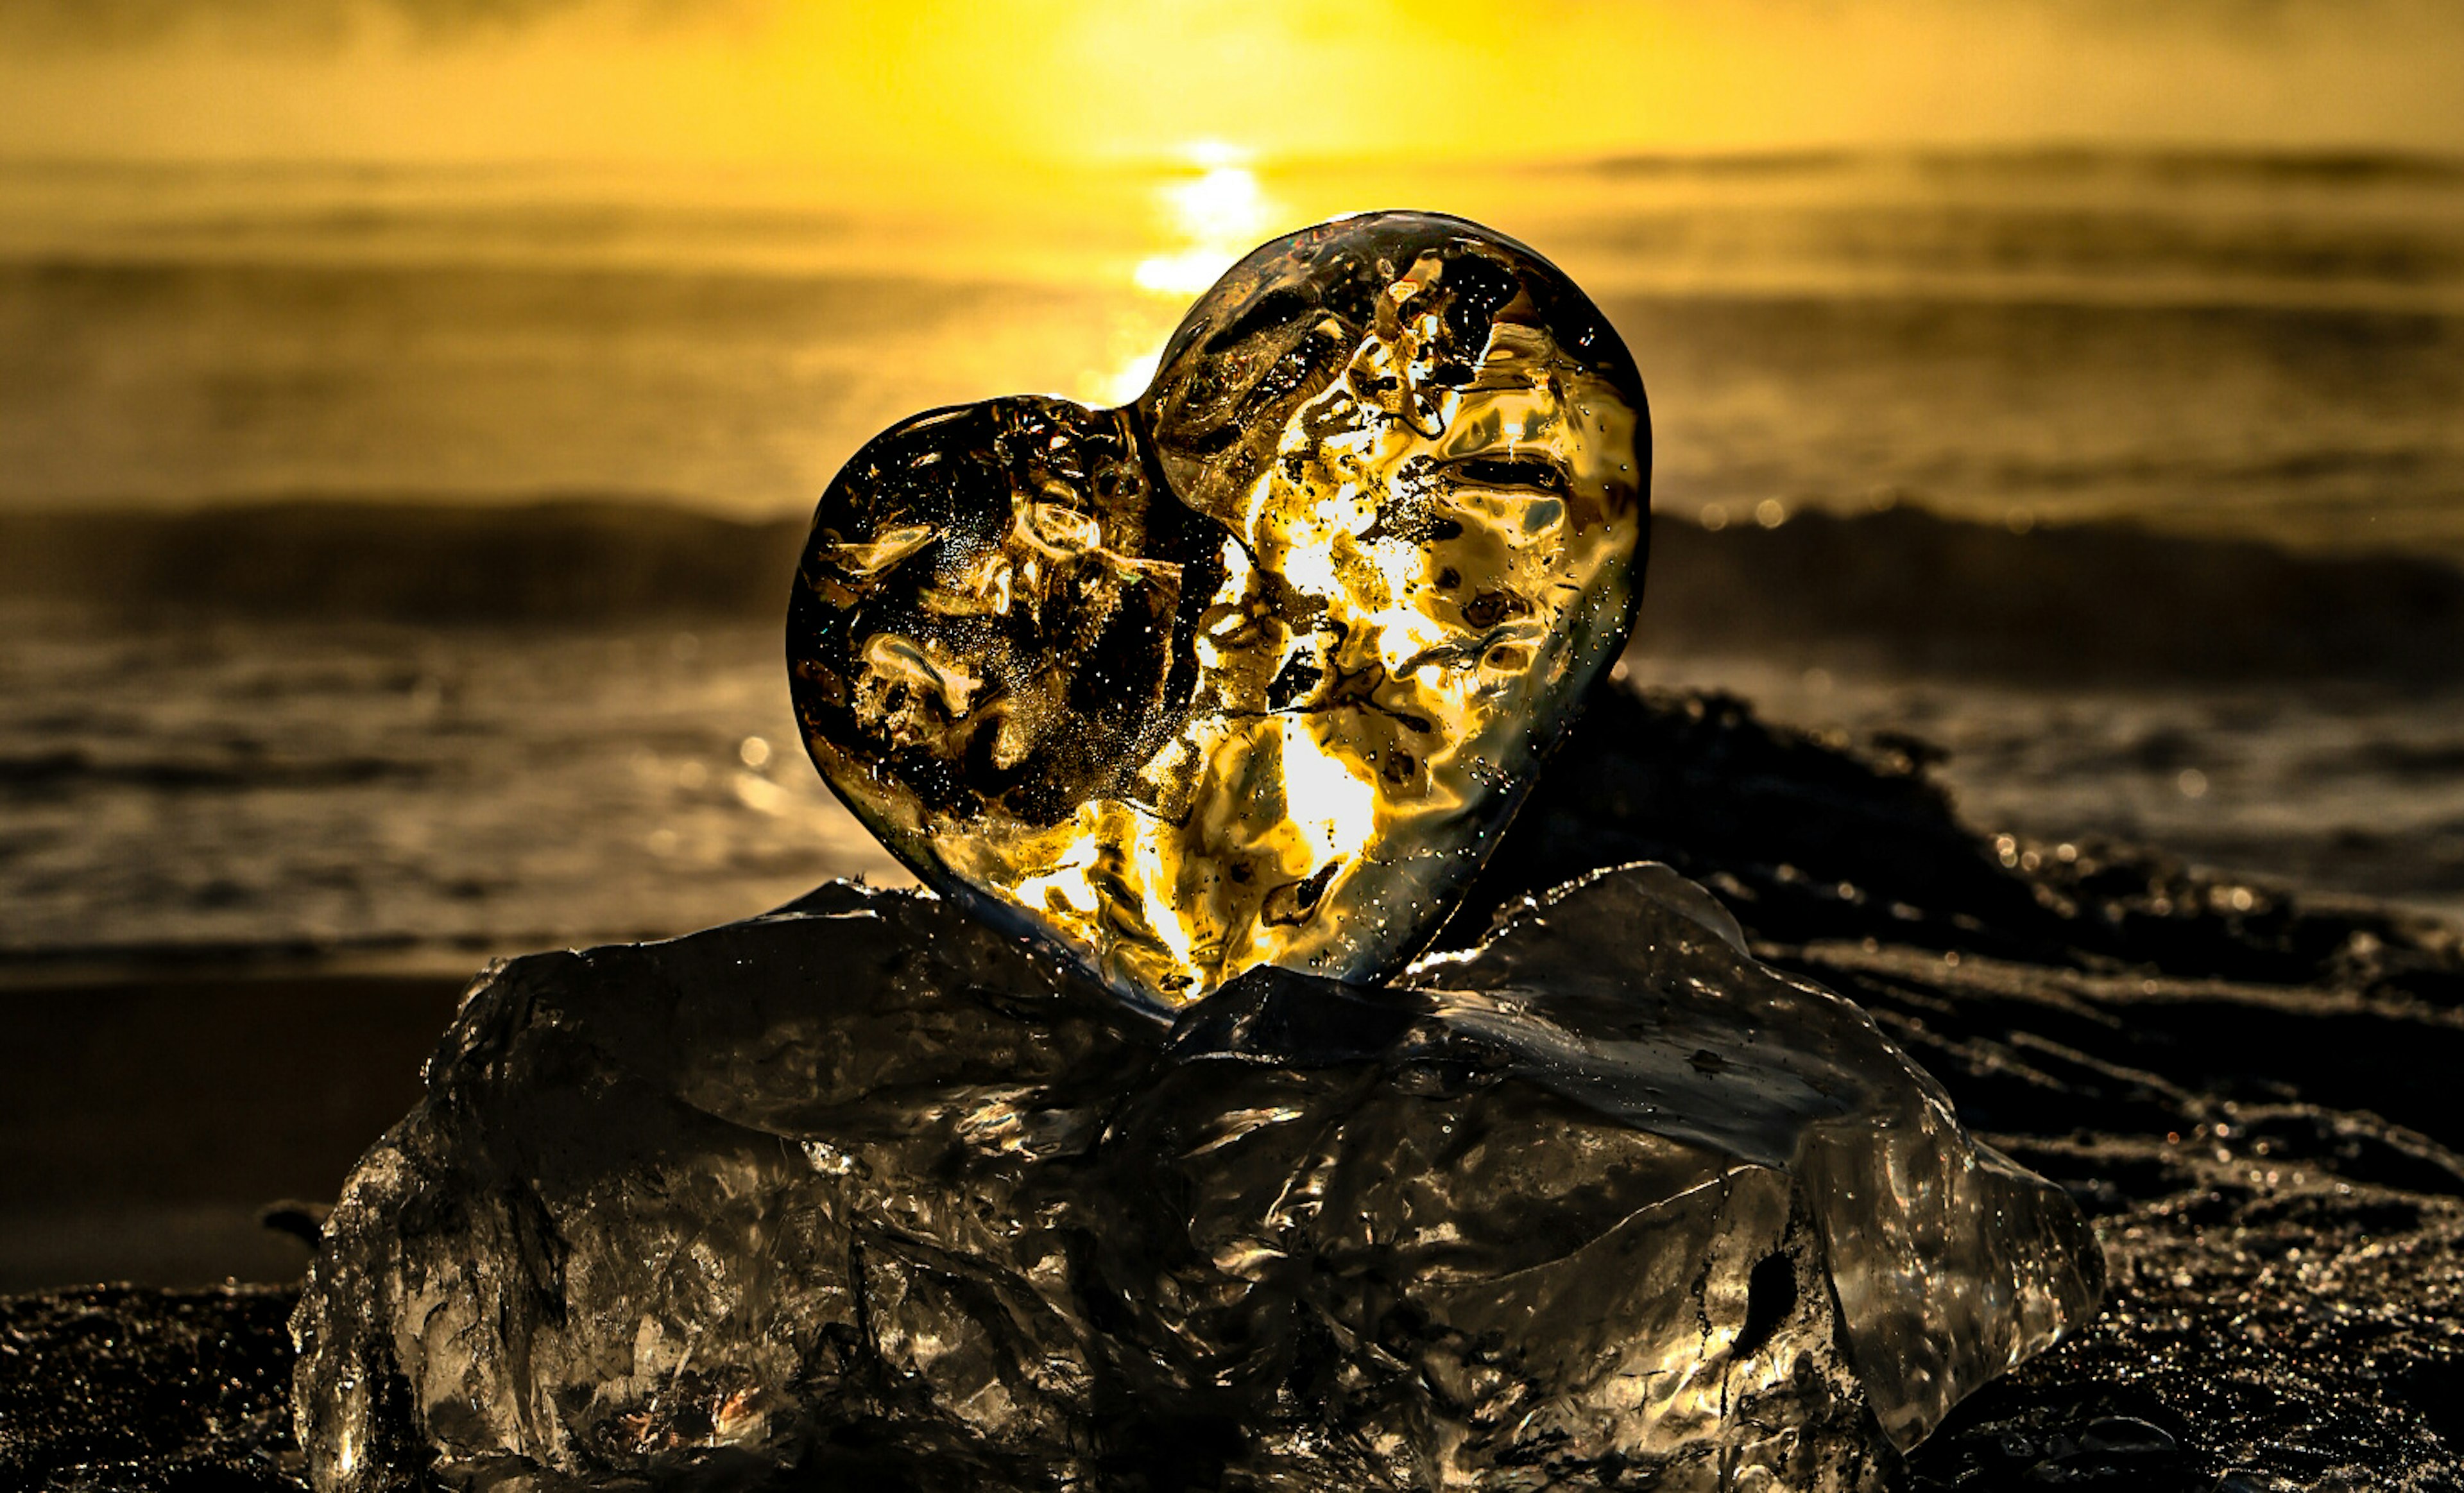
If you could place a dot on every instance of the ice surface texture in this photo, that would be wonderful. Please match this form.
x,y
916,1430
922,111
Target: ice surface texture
x,y
1250,671
868,1192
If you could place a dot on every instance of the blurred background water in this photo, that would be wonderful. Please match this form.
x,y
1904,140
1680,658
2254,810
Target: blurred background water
x,y
412,738
2241,344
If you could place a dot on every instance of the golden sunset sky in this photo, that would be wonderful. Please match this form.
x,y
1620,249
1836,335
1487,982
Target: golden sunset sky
x,y
1003,82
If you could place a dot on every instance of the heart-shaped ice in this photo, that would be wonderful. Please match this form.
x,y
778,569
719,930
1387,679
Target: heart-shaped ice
x,y
1254,670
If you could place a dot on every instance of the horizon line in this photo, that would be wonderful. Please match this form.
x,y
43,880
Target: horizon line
x,y
2325,158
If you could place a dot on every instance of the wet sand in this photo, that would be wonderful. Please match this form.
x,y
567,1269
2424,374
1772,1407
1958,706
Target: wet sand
x,y
147,1119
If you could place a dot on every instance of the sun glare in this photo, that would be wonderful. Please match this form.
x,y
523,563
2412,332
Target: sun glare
x,y
1210,219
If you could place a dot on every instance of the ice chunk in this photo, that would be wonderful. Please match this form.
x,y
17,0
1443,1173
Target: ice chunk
x,y
864,1190
1251,671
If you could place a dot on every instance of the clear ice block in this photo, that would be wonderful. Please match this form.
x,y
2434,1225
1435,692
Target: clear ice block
x,y
867,1192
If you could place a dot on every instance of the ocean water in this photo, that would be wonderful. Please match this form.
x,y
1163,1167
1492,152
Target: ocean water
x,y
2243,345
424,798
398,795
2229,348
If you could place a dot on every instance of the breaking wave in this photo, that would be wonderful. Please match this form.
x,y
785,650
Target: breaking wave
x,y
1906,587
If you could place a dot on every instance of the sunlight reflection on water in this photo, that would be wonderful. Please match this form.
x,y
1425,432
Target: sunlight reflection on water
x,y
1215,217
1208,214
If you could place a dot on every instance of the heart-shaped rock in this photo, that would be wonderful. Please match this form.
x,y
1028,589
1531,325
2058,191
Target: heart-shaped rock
x,y
1254,670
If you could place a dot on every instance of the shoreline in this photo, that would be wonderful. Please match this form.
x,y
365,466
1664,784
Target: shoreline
x,y
146,1120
